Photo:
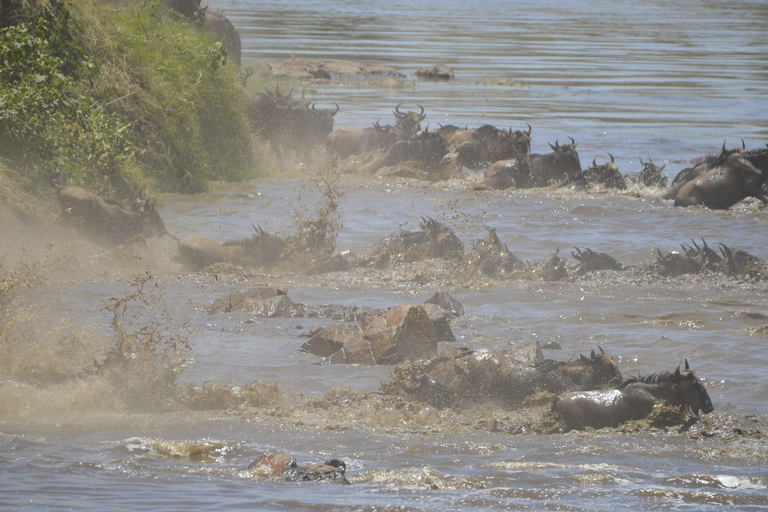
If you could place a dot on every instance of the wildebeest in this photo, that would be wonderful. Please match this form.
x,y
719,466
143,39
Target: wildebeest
x,y
408,123
473,376
223,29
634,399
433,240
108,222
261,249
346,141
701,166
650,176
594,372
535,170
290,127
489,144
426,149
210,22
590,261
736,177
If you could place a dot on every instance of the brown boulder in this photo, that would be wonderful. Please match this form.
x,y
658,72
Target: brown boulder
x,y
332,339
452,307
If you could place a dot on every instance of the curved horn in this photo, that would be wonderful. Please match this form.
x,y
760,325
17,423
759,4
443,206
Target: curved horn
x,y
743,145
610,155
677,370
554,148
594,162
337,109
592,354
573,142
529,129
641,161
397,112
601,349
686,365
422,115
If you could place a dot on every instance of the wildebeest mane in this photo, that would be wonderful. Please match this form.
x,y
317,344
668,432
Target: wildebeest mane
x,y
653,378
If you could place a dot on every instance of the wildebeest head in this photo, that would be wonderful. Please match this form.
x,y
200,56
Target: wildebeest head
x,y
408,123
321,122
145,209
689,392
602,369
606,174
651,175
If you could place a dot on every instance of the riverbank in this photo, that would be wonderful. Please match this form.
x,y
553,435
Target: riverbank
x,y
115,100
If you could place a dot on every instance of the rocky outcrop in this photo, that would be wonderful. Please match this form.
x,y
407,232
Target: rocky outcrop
x,y
409,331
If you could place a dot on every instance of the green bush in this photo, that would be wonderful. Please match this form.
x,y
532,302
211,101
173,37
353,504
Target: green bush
x,y
118,99
46,122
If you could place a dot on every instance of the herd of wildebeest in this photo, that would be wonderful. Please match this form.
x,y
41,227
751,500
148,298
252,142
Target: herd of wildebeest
x,y
580,386
588,391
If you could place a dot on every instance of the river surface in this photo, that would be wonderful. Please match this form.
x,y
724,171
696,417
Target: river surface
x,y
665,80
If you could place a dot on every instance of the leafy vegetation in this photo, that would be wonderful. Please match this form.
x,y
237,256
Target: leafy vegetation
x,y
119,99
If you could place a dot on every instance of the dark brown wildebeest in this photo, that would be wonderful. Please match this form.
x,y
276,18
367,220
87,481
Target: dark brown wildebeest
x,y
108,222
433,240
346,141
292,128
426,149
736,177
222,28
606,174
210,22
262,249
701,165
594,372
489,144
590,261
408,123
650,176
634,399
535,170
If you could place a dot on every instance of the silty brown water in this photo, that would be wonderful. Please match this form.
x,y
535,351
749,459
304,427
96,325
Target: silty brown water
x,y
653,80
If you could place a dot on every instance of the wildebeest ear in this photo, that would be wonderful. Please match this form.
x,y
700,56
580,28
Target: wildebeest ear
x,y
581,357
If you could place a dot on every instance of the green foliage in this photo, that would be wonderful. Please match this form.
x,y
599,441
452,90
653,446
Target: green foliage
x,y
45,121
120,99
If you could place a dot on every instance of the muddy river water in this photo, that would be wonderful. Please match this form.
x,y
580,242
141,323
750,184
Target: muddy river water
x,y
656,79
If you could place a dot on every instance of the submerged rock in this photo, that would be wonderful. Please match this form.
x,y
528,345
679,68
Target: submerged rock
x,y
438,72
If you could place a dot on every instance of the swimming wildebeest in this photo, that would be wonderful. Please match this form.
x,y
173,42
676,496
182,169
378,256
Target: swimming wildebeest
x,y
594,372
634,399
287,126
345,141
650,176
408,123
489,144
590,260
426,149
701,166
535,170
736,177
108,222
261,249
